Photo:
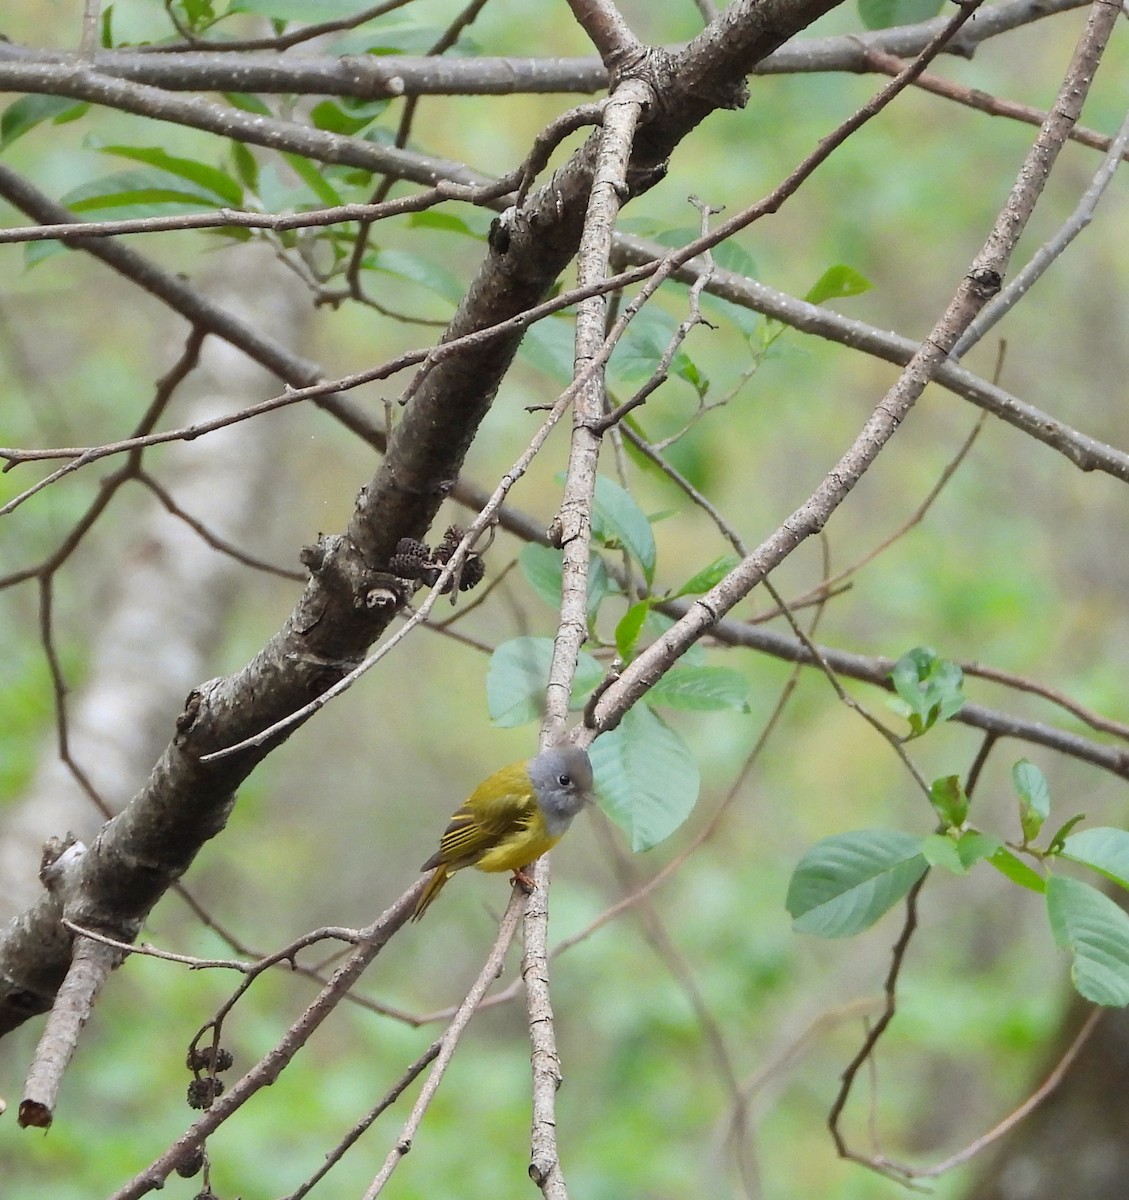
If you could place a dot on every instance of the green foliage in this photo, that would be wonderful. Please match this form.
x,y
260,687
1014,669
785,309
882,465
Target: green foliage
x,y
646,777
629,629
638,352
347,116
402,264
949,801
845,883
1096,932
25,113
702,689
1102,849
618,523
708,577
542,568
884,14
297,10
928,689
836,283
519,670
1017,870
1034,798
212,182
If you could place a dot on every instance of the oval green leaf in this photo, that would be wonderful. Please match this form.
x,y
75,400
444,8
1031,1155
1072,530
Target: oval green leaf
x,y
1034,797
616,518
646,778
846,882
1104,849
516,678
1096,932
702,689
1017,870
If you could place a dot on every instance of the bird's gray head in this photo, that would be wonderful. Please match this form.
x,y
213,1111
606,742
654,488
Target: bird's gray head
x,y
562,778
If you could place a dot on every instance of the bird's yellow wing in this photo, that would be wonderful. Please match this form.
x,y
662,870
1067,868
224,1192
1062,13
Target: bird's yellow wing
x,y
488,818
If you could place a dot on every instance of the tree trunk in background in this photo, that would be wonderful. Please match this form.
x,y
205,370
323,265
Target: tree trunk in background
x,y
167,592
1074,1146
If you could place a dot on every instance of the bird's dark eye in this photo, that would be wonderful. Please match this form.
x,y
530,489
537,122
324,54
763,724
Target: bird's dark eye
x,y
564,780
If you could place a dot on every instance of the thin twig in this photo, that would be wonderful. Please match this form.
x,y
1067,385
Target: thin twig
x,y
450,1040
874,1035
267,1069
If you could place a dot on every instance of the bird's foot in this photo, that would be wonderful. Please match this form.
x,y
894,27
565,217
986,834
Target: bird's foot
x,y
523,881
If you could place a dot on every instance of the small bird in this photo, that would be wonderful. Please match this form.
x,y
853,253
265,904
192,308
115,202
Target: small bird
x,y
512,818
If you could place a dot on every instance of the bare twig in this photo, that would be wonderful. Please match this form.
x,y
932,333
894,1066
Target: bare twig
x,y
982,101
874,1035
1052,248
266,1070
386,1101
90,968
450,1040
1023,1110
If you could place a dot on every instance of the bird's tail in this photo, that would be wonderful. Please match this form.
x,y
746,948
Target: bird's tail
x,y
434,885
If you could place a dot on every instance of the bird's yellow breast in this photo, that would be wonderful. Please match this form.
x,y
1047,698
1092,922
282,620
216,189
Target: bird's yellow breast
x,y
520,847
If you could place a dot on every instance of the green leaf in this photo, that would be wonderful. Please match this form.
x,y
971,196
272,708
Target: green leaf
x,y
972,845
28,111
246,166
248,102
315,180
1093,928
541,566
139,193
618,521
949,801
298,10
928,689
405,265
346,118
198,13
836,282
846,882
942,851
646,777
644,342
211,181
550,345
1059,840
708,577
1017,870
518,673
702,689
474,225
629,628
728,254
1104,849
885,14
389,37
1034,797
731,256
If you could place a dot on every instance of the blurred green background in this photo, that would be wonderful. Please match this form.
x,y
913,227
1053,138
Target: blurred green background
x,y
1017,565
